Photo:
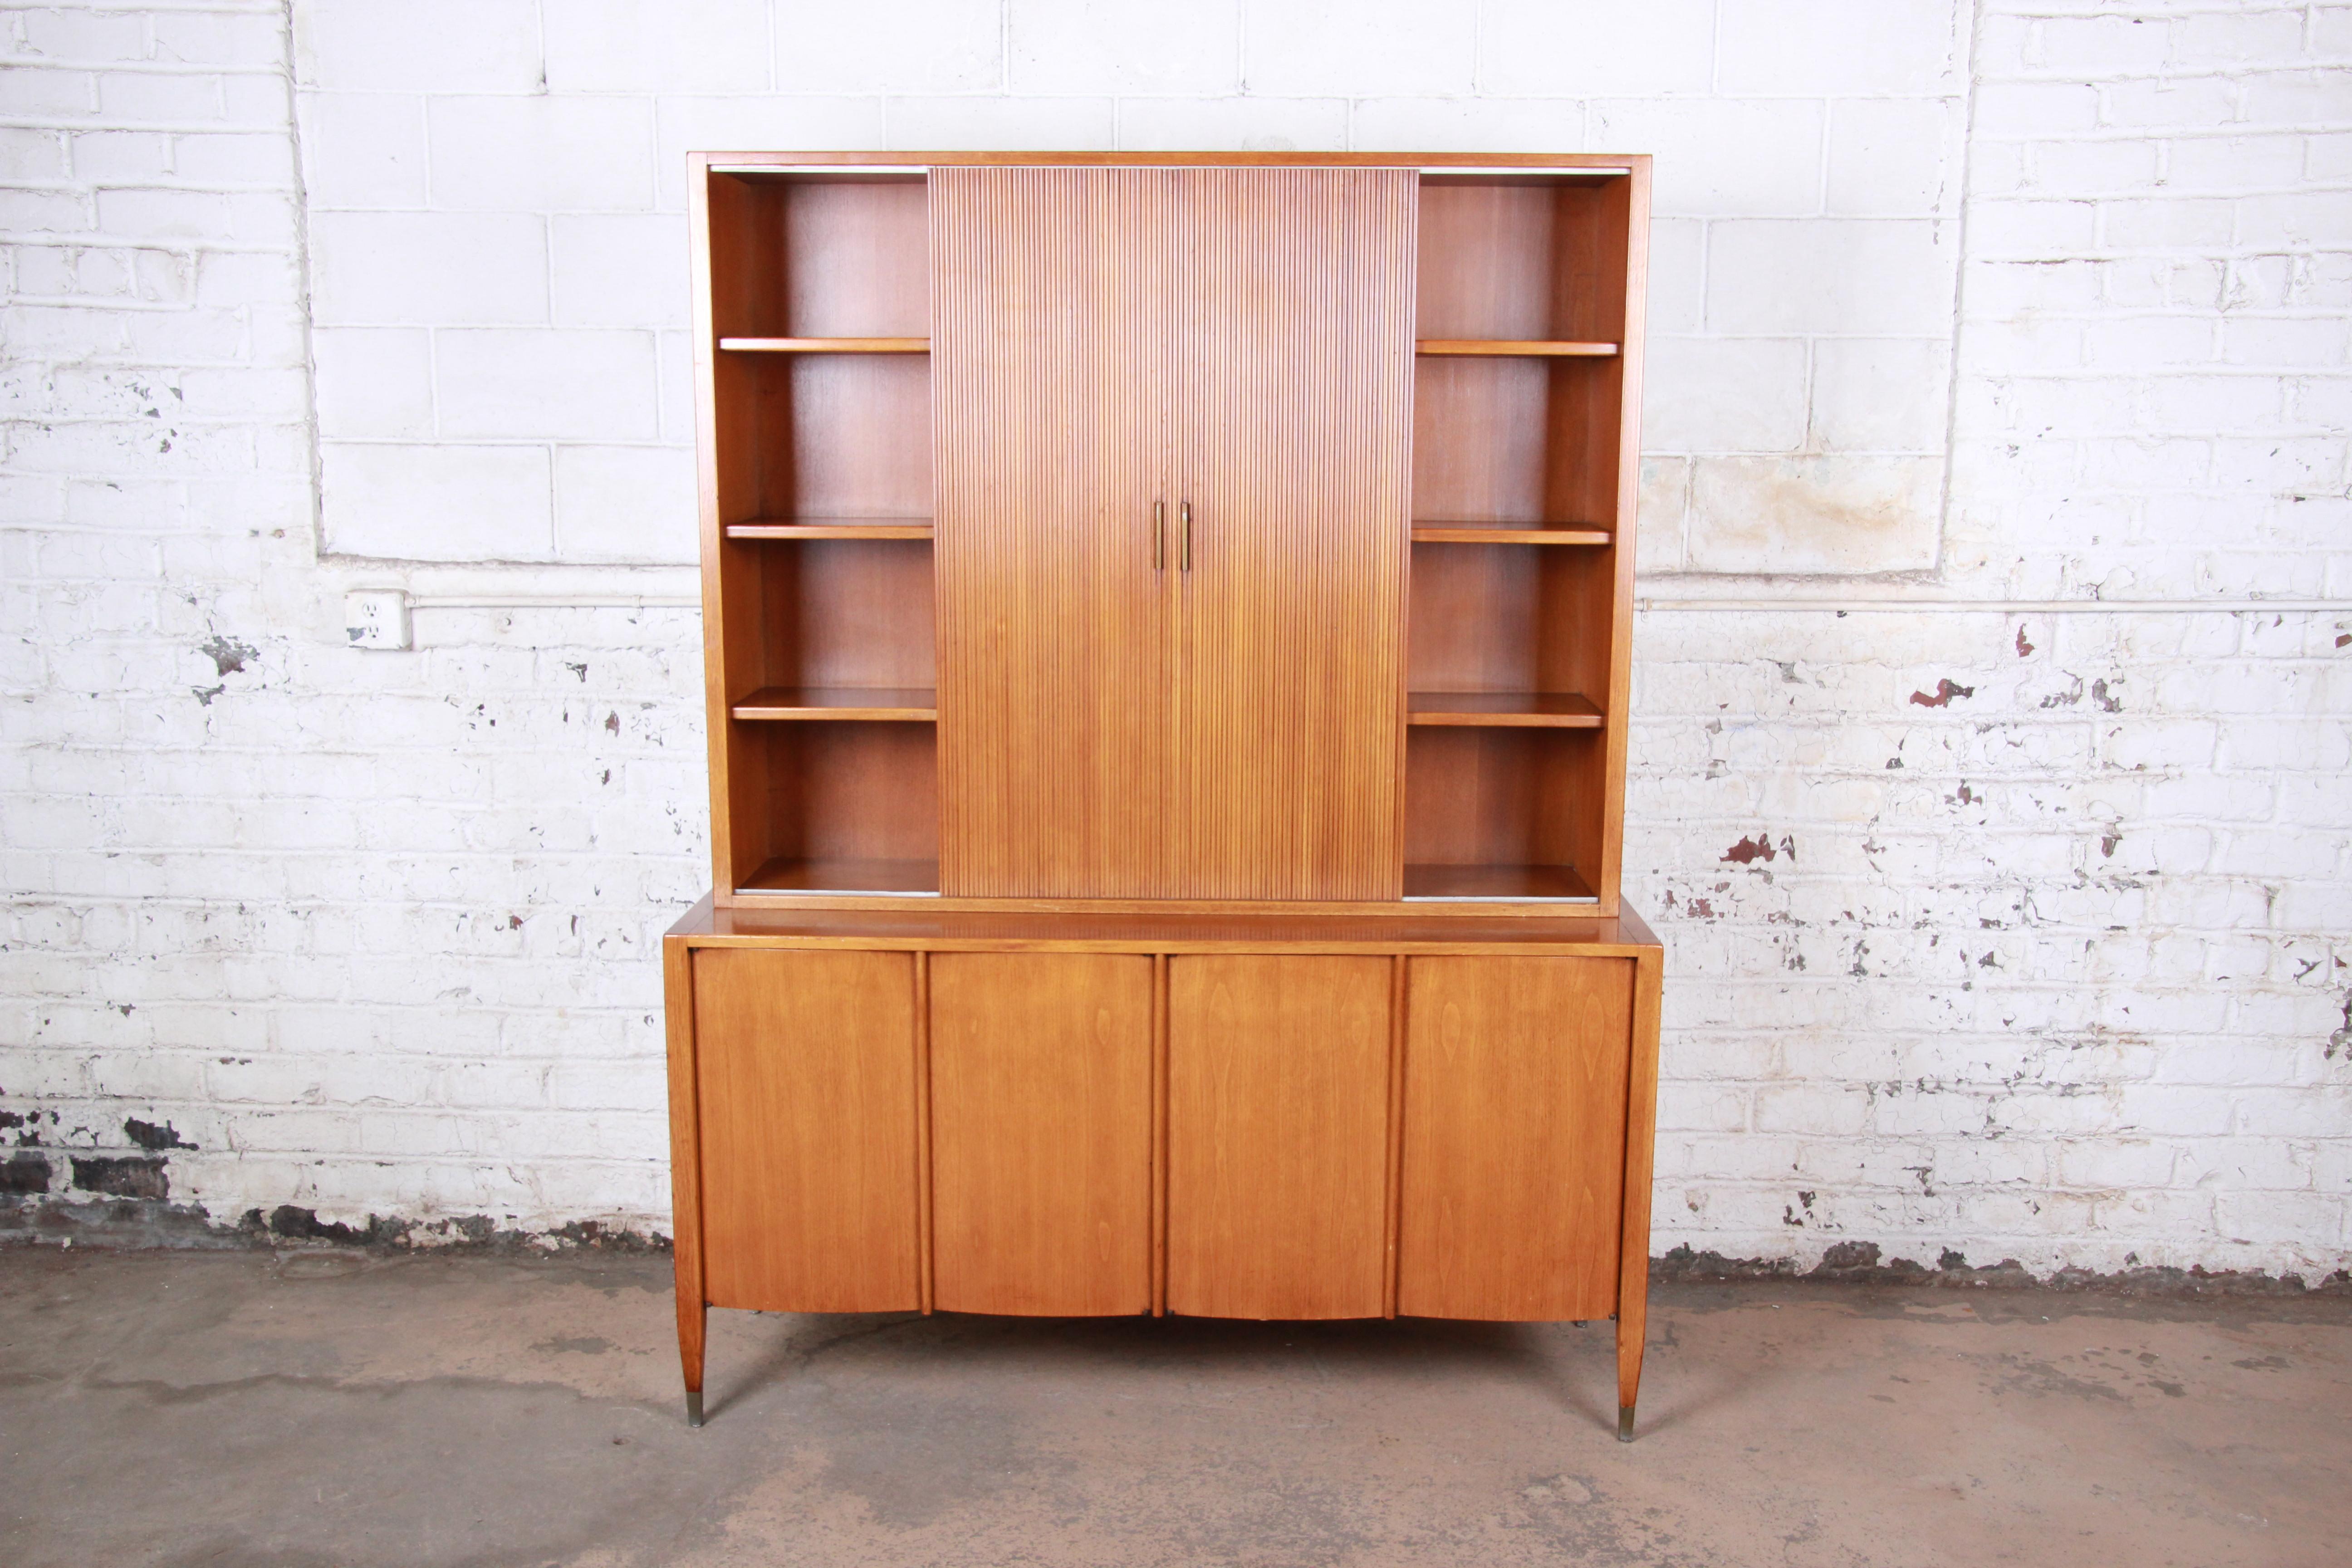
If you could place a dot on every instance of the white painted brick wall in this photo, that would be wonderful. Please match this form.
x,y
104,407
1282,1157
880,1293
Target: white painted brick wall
x,y
2051,954
519,187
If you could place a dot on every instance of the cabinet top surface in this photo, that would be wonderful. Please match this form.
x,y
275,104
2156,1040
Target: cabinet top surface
x,y
706,925
1596,162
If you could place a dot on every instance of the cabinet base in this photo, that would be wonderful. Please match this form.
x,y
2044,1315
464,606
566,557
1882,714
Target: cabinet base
x,y
1204,1034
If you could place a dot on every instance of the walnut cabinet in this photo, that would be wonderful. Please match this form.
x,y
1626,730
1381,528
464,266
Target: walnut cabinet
x,y
1167,664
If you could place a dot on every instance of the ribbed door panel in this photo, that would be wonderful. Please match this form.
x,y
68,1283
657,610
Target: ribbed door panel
x,y
1106,339
1052,358
1295,456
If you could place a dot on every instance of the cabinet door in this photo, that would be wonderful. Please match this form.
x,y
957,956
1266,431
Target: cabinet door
x,y
1277,1136
806,1085
1294,455
1052,365
1041,1134
1514,1164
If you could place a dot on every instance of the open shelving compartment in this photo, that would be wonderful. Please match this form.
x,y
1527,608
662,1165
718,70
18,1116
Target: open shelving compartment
x,y
823,710
1515,681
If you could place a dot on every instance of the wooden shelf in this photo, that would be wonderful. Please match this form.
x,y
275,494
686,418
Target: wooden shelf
x,y
848,877
908,704
833,345
831,528
1508,533
1512,347
1526,710
1494,884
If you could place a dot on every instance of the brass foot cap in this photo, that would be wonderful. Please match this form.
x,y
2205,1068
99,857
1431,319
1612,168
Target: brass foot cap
x,y
1624,1424
694,1408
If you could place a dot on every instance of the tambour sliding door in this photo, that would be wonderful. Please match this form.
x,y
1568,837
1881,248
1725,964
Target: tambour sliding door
x,y
1296,453
1172,467
1054,366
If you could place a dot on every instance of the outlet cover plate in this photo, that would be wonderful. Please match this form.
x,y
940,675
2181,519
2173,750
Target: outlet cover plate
x,y
376,617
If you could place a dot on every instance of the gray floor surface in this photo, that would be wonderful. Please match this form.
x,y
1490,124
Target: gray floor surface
x,y
317,1408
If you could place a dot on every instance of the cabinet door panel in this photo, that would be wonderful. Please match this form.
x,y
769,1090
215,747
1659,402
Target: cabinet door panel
x,y
1295,453
1514,1163
1041,1134
806,1087
1277,1136
1052,365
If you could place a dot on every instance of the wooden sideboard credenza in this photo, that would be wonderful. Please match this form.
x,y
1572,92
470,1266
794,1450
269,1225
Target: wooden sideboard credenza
x,y
1167,621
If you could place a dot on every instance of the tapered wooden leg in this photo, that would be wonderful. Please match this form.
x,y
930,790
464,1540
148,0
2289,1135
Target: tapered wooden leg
x,y
685,1170
1630,1326
692,1319
1641,1140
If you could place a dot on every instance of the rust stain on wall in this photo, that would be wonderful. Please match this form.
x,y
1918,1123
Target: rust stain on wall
x,y
1945,691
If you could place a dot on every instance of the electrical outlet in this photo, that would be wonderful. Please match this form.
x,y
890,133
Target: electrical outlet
x,y
376,617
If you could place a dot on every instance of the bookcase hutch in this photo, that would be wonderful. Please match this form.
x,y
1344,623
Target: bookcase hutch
x,y
1166,625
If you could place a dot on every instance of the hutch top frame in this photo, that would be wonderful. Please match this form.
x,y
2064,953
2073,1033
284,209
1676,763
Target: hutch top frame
x,y
826,745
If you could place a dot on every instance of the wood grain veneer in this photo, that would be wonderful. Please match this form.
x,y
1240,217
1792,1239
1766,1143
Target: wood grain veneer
x,y
805,1080
1514,1066
1239,788
1041,1134
817,261
1054,290
1494,794
1167,628
1294,450
835,876
1517,348
1541,170
847,790
1214,715
686,1250
1533,709
1173,928
843,435
1640,1156
1278,1150
825,345
885,703
1495,883
829,528
1507,533
840,612
1506,442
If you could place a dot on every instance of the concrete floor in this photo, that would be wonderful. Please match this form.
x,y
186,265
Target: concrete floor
x,y
320,1408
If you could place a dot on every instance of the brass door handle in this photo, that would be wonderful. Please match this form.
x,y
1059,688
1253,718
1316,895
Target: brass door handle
x,y
1159,534
1185,511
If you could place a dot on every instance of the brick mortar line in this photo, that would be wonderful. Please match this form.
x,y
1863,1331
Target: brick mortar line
x,y
190,249
178,8
2100,253
100,126
2013,606
2160,192
166,182
96,71
2094,255
2103,78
